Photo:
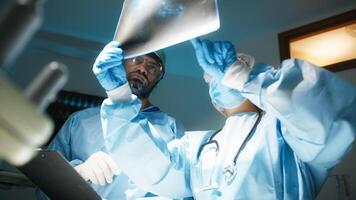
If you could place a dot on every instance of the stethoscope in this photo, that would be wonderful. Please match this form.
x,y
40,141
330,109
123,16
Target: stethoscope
x,y
229,172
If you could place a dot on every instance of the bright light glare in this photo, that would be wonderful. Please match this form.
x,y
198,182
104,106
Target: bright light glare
x,y
325,48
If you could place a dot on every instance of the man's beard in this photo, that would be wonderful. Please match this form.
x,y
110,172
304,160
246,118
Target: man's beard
x,y
140,85
139,89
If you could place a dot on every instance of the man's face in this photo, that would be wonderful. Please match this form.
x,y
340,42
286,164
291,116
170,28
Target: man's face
x,y
143,73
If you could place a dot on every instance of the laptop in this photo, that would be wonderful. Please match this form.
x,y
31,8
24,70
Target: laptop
x,y
52,173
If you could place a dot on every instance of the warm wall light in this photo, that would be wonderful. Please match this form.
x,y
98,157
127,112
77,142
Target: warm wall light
x,y
326,48
351,30
330,43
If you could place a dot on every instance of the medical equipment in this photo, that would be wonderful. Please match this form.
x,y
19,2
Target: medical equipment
x,y
147,26
44,88
17,26
230,170
23,126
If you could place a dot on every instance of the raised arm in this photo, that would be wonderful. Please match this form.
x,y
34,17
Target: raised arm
x,y
315,107
134,142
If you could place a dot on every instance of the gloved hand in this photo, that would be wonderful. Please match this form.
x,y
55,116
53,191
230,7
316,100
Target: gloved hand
x,y
223,97
109,67
214,57
99,168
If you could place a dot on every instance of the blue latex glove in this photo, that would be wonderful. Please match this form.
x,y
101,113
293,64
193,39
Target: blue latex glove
x,y
109,67
214,57
223,97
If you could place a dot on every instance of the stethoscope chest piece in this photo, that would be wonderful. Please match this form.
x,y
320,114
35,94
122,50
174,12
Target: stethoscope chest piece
x,y
229,173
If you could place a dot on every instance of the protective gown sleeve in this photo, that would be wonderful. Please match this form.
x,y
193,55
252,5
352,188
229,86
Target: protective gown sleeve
x,y
61,142
315,108
153,165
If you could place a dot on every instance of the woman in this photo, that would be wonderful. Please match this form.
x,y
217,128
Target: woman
x,y
285,130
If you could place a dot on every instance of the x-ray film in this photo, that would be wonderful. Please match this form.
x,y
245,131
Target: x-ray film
x,y
149,25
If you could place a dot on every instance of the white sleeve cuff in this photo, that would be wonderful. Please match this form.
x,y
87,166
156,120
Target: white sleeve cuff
x,y
237,74
122,94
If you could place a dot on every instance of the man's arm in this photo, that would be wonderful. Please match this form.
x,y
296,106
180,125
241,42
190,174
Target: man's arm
x,y
152,165
133,142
